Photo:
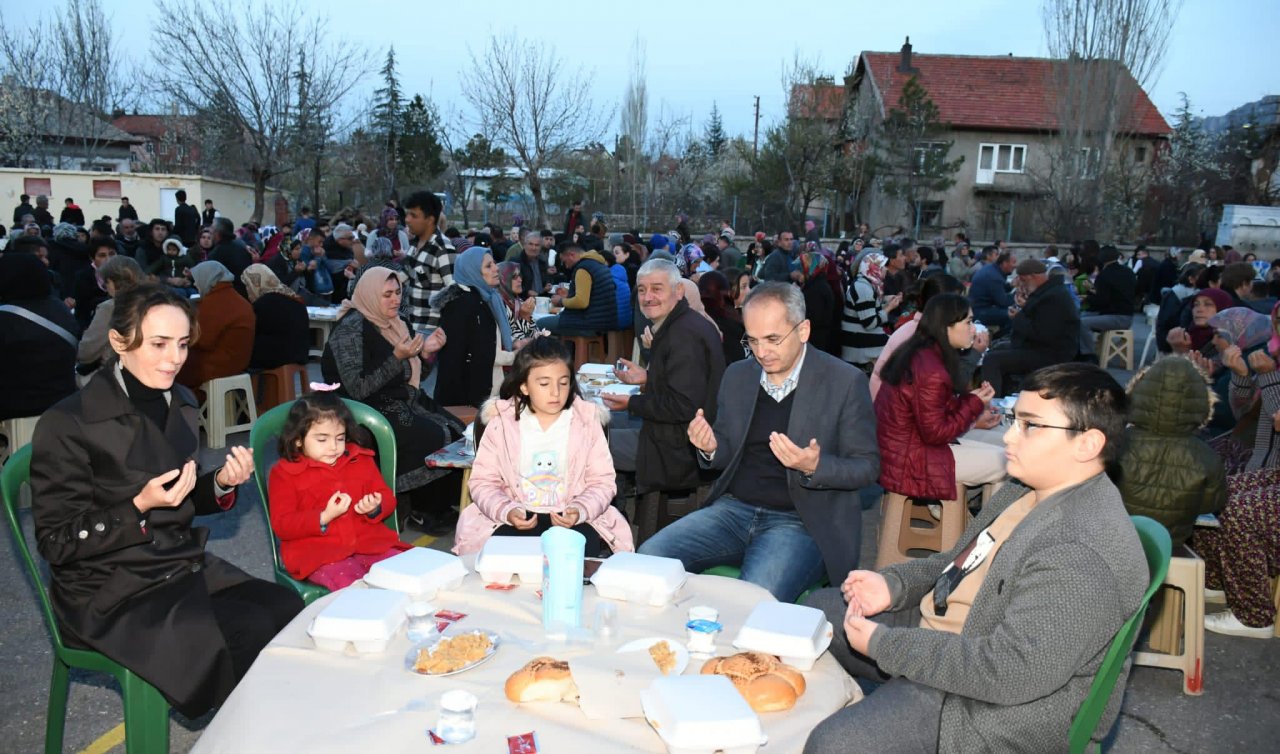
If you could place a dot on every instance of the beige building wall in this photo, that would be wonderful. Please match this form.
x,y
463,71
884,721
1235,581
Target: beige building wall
x,y
150,193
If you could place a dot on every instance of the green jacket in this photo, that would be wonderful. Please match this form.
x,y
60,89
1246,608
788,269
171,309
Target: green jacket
x,y
1166,471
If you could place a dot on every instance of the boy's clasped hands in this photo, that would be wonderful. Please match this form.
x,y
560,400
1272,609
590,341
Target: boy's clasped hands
x,y
340,503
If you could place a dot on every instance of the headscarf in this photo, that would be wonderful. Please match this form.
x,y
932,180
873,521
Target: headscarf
x,y
506,272
1231,257
872,268
388,214
209,274
367,299
260,279
1273,345
379,247
714,292
466,271
812,264
691,254
64,232
23,277
1197,257
1202,334
1242,326
693,297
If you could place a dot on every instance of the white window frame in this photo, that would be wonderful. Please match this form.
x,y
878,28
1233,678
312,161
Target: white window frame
x,y
920,153
1020,150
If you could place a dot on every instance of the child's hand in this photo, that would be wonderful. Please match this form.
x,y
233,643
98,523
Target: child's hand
x,y
338,504
522,522
568,519
369,503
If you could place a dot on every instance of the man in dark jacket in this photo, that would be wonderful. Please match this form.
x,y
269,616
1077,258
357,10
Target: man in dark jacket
x,y
572,219
186,220
126,211
23,209
1166,276
1110,305
988,295
231,252
591,305
1045,331
686,362
533,266
43,218
777,266
127,238
38,338
150,250
71,213
795,437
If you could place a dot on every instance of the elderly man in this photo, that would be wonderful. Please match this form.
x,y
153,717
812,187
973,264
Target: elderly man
x,y
590,305
533,266
231,252
988,294
993,645
794,435
343,251
686,361
127,238
1045,328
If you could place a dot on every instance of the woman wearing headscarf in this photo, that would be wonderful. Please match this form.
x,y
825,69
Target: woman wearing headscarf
x,y
389,228
810,271
864,318
69,256
283,331
377,359
226,323
1198,336
480,343
713,290
38,337
1243,553
519,310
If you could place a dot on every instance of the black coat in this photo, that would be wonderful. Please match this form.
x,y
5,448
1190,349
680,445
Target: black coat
x,y
126,213
1114,290
88,294
820,309
526,274
21,210
186,224
133,587
686,362
282,332
68,256
146,253
1049,323
235,256
465,363
38,366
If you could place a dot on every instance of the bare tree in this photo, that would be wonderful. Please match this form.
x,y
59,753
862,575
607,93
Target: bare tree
x,y
264,78
533,107
634,125
1107,52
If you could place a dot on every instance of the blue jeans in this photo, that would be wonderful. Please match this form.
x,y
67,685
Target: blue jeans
x,y
773,547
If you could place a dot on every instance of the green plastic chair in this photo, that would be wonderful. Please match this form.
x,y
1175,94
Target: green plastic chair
x,y
262,439
1158,548
734,572
146,712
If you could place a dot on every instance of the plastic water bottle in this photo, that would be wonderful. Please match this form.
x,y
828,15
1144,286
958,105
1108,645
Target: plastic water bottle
x,y
563,551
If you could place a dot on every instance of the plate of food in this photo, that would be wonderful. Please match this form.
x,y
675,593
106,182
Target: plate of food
x,y
670,656
454,653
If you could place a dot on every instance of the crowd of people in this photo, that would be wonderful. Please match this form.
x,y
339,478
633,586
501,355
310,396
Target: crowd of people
x,y
781,379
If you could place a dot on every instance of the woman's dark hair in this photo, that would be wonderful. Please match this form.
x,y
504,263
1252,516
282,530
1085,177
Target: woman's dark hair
x,y
933,285
308,410
540,351
131,308
737,278
713,289
1208,276
942,311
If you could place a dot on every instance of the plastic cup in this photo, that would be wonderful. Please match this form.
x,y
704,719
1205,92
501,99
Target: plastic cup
x,y
421,626
703,612
606,619
457,721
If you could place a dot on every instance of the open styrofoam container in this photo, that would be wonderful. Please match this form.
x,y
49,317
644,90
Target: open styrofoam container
x,y
701,714
596,369
503,558
421,572
633,577
798,635
366,618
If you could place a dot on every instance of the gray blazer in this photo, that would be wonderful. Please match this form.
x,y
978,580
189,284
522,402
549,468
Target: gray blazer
x,y
1057,592
832,404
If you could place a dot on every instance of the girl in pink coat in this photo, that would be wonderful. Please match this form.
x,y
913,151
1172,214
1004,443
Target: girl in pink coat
x,y
542,460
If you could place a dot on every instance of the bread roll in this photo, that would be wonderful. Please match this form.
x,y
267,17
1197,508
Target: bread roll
x,y
766,683
542,679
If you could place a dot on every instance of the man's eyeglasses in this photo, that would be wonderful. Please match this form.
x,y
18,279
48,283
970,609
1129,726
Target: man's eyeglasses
x,y
750,344
1024,426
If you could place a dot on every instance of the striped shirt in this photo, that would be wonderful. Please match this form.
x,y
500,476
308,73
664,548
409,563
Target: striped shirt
x,y
429,269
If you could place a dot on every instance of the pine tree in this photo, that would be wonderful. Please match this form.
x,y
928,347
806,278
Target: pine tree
x,y
911,151
420,155
388,115
715,137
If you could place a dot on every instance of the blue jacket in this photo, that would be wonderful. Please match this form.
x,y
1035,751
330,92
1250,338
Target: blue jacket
x,y
623,293
987,290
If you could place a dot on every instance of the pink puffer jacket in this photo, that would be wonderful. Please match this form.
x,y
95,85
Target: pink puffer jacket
x,y
495,478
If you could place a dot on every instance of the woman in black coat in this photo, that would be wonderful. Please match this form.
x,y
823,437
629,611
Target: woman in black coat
x,y
114,491
38,338
282,333
478,337
819,301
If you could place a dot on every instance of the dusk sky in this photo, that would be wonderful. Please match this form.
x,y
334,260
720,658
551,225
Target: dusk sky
x,y
1222,53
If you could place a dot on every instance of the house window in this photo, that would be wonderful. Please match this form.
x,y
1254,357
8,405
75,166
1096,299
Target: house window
x,y
929,214
37,186
1140,155
106,189
928,155
1087,162
1002,158
150,147
164,148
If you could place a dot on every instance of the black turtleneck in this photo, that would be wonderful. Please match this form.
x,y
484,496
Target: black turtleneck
x,y
149,401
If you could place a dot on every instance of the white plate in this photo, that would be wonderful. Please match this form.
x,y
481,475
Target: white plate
x,y
411,658
642,645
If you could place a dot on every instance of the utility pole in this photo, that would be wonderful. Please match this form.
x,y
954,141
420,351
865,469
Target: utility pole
x,y
755,137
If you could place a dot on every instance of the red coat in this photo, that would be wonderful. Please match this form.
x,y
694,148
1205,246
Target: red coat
x,y
916,420
299,491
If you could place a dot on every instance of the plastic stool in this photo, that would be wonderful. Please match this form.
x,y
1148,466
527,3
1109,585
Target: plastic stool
x,y
582,347
277,385
906,525
226,398
18,432
1113,343
1179,622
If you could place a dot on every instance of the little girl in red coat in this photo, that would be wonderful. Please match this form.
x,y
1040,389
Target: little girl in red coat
x,y
327,497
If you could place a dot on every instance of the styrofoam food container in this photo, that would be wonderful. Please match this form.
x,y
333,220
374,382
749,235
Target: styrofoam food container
x,y
633,577
421,572
366,618
598,370
701,714
798,635
621,389
503,558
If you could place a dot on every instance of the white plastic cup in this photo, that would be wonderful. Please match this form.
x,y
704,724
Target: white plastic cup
x,y
704,612
606,623
457,721
420,624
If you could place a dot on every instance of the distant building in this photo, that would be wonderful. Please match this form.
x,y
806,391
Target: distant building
x,y
42,129
167,143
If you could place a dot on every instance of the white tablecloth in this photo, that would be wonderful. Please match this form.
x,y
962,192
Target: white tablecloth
x,y
297,698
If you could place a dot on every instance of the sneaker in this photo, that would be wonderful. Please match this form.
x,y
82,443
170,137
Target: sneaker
x,y
1227,623
1214,595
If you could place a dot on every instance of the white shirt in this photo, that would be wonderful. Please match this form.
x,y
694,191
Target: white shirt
x,y
544,462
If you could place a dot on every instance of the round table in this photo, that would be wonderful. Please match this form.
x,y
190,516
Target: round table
x,y
299,698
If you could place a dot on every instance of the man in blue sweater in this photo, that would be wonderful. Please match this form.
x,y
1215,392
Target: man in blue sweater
x,y
989,296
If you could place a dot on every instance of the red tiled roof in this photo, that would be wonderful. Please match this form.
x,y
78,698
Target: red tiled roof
x,y
824,101
155,126
997,93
